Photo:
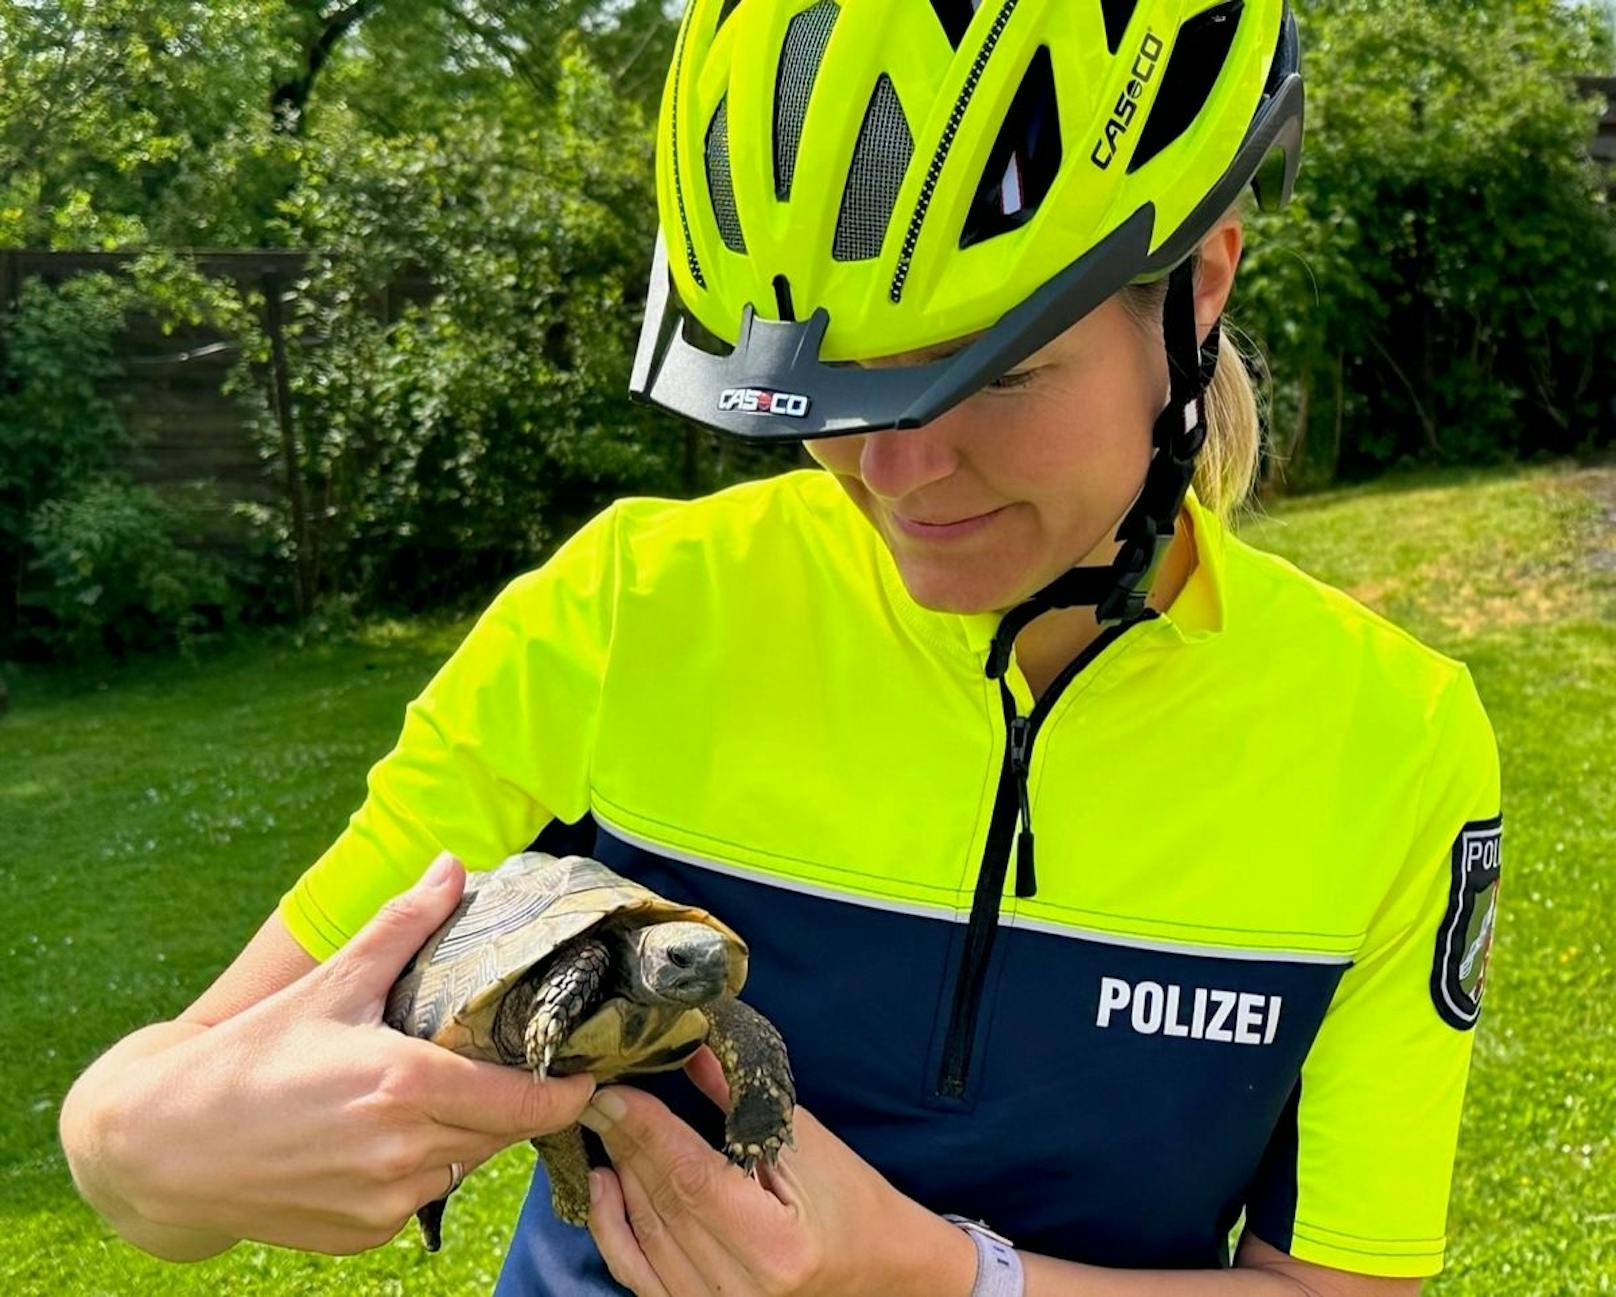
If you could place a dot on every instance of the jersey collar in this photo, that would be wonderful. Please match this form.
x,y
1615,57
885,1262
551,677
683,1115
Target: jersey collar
x,y
1197,614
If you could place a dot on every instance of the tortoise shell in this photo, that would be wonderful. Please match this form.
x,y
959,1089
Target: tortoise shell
x,y
511,919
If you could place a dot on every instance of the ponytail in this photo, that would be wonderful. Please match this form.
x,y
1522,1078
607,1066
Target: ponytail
x,y
1226,470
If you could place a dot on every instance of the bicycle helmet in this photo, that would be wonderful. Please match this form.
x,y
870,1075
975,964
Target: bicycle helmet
x,y
848,182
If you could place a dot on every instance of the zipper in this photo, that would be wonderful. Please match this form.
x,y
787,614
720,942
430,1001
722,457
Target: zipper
x,y
1010,804
984,921
1020,757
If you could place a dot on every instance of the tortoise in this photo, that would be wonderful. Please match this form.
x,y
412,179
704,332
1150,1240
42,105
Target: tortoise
x,y
559,965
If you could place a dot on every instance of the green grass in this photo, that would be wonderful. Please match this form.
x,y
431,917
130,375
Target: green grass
x,y
153,815
1515,574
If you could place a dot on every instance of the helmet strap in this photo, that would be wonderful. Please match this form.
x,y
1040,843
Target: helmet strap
x,y
1118,590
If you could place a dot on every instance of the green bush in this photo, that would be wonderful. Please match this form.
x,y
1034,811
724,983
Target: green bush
x,y
106,574
88,562
1441,289
446,448
56,429
55,426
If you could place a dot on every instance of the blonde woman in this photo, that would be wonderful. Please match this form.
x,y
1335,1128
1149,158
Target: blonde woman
x,y
1113,883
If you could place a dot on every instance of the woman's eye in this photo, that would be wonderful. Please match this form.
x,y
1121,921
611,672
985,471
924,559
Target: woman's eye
x,y
1009,382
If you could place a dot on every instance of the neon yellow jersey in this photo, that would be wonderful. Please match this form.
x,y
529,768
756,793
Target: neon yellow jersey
x,y
1266,827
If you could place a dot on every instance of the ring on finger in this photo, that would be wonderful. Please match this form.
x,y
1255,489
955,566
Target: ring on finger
x,y
457,1177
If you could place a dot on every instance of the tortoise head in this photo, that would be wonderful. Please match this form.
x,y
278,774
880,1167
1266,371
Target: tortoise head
x,y
675,963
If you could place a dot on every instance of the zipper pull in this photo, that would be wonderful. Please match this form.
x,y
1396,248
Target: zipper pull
x,y
1026,872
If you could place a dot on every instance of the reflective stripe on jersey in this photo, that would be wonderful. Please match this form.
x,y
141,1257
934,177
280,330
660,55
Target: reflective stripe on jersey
x,y
1218,996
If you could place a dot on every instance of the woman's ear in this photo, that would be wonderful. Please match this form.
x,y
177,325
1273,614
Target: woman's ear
x,y
1215,271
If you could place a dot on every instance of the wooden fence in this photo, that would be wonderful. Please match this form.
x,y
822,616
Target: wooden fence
x,y
169,392
170,389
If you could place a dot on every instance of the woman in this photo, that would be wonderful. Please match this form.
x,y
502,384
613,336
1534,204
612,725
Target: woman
x,y
1106,903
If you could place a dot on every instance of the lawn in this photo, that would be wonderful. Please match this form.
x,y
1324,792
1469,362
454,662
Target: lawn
x,y
153,814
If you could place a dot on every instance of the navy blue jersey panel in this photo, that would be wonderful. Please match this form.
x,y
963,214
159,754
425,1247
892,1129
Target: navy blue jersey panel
x,y
1131,1093
547,1258
1271,1212
1122,1097
826,973
561,839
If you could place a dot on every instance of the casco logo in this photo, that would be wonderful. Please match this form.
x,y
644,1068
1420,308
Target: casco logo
x,y
758,400
1144,72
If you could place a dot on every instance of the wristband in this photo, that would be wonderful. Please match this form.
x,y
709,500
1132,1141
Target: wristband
x,y
998,1267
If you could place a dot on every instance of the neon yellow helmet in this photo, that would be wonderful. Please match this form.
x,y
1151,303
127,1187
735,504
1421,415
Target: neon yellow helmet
x,y
916,170
842,181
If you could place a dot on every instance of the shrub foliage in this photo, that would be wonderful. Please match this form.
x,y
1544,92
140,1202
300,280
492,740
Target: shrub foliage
x,y
472,182
1441,288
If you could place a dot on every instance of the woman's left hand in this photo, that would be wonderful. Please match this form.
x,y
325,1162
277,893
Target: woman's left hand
x,y
675,1219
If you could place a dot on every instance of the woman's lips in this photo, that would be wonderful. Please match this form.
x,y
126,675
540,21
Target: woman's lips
x,y
945,531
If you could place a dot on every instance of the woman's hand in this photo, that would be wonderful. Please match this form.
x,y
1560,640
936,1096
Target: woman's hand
x,y
303,1121
675,1219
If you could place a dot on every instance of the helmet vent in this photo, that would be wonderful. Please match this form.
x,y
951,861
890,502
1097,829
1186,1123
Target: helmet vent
x,y
678,174
885,147
782,299
1198,57
939,160
725,12
955,16
1118,14
721,183
806,39
1025,160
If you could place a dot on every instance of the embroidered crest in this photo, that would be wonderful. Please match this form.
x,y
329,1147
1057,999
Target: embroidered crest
x,y
1464,940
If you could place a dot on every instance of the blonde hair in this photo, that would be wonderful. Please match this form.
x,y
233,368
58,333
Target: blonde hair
x,y
1226,471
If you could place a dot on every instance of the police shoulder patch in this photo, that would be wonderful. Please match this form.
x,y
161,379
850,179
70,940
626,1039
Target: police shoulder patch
x,y
1464,939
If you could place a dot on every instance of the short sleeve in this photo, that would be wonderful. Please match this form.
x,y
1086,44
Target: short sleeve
x,y
1358,1173
496,746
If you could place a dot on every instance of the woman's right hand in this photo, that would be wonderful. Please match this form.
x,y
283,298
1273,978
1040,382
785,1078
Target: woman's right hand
x,y
303,1121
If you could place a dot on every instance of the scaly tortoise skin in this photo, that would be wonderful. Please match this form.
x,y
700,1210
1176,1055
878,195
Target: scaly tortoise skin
x,y
562,966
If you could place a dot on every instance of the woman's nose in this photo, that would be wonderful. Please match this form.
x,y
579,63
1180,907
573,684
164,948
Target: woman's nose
x,y
900,462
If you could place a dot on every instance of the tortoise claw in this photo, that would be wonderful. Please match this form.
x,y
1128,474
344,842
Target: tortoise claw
x,y
747,1156
542,1038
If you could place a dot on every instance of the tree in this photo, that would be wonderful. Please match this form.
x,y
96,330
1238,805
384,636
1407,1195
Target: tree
x,y
182,122
445,447
1440,290
129,122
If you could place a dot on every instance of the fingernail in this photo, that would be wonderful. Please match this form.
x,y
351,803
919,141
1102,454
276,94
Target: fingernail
x,y
594,1187
605,1110
438,875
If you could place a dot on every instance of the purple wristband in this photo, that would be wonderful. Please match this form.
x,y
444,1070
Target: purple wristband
x,y
998,1268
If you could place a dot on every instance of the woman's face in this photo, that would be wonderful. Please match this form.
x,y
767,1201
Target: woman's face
x,y
1045,462
989,503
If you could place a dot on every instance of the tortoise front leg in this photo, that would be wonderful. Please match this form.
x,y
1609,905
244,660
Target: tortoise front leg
x,y
539,1014
762,1095
535,1019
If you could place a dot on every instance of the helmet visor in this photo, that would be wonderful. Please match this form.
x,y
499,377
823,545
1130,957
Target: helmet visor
x,y
773,386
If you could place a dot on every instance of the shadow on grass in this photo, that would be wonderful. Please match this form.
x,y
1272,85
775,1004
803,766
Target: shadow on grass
x,y
1410,481
381,645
